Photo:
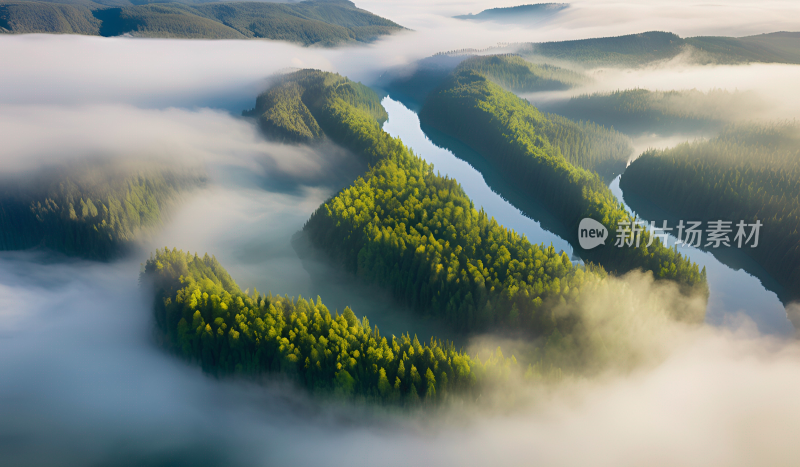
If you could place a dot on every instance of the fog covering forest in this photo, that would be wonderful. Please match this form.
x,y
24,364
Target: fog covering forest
x,y
607,376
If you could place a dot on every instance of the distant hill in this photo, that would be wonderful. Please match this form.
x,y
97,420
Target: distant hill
x,y
517,14
412,84
323,22
637,111
638,49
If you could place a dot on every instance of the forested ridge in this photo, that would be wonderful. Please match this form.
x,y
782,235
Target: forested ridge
x,y
323,22
296,104
585,144
519,75
418,235
92,209
640,110
749,172
646,47
520,14
204,316
509,133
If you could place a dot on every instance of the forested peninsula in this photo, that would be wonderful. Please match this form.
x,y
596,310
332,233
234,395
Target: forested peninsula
x,y
416,233
320,22
203,316
92,209
750,172
513,137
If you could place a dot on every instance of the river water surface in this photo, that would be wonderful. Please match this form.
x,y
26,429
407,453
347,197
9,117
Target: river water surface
x,y
733,292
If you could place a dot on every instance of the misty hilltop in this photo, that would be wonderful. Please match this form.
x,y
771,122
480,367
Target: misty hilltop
x,y
520,14
646,47
323,22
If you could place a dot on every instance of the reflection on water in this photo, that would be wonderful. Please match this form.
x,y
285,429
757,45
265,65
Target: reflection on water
x,y
732,291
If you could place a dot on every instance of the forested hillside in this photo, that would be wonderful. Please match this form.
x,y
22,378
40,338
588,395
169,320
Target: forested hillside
x,y
94,210
518,75
584,143
298,103
511,135
416,234
636,111
748,172
646,47
204,316
413,83
521,14
323,22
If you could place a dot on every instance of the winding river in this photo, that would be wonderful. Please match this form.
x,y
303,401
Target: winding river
x,y
733,292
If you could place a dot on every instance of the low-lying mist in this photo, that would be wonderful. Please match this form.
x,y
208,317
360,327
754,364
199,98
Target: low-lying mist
x,y
83,381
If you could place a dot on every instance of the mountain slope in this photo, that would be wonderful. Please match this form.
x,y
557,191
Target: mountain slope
x,y
638,49
320,22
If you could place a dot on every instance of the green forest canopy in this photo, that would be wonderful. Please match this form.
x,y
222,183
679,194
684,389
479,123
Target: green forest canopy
x,y
749,172
91,209
322,22
204,316
511,135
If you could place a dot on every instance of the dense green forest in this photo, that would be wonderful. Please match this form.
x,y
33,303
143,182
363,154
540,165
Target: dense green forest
x,y
636,111
418,235
748,172
511,135
584,144
639,49
297,104
521,14
414,232
518,75
92,209
204,316
323,22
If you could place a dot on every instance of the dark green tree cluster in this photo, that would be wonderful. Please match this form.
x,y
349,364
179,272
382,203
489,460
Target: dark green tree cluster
x,y
506,131
418,235
204,316
94,210
639,110
749,172
297,104
321,22
518,75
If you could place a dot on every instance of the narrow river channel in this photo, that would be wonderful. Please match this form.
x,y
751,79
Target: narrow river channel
x,y
732,292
